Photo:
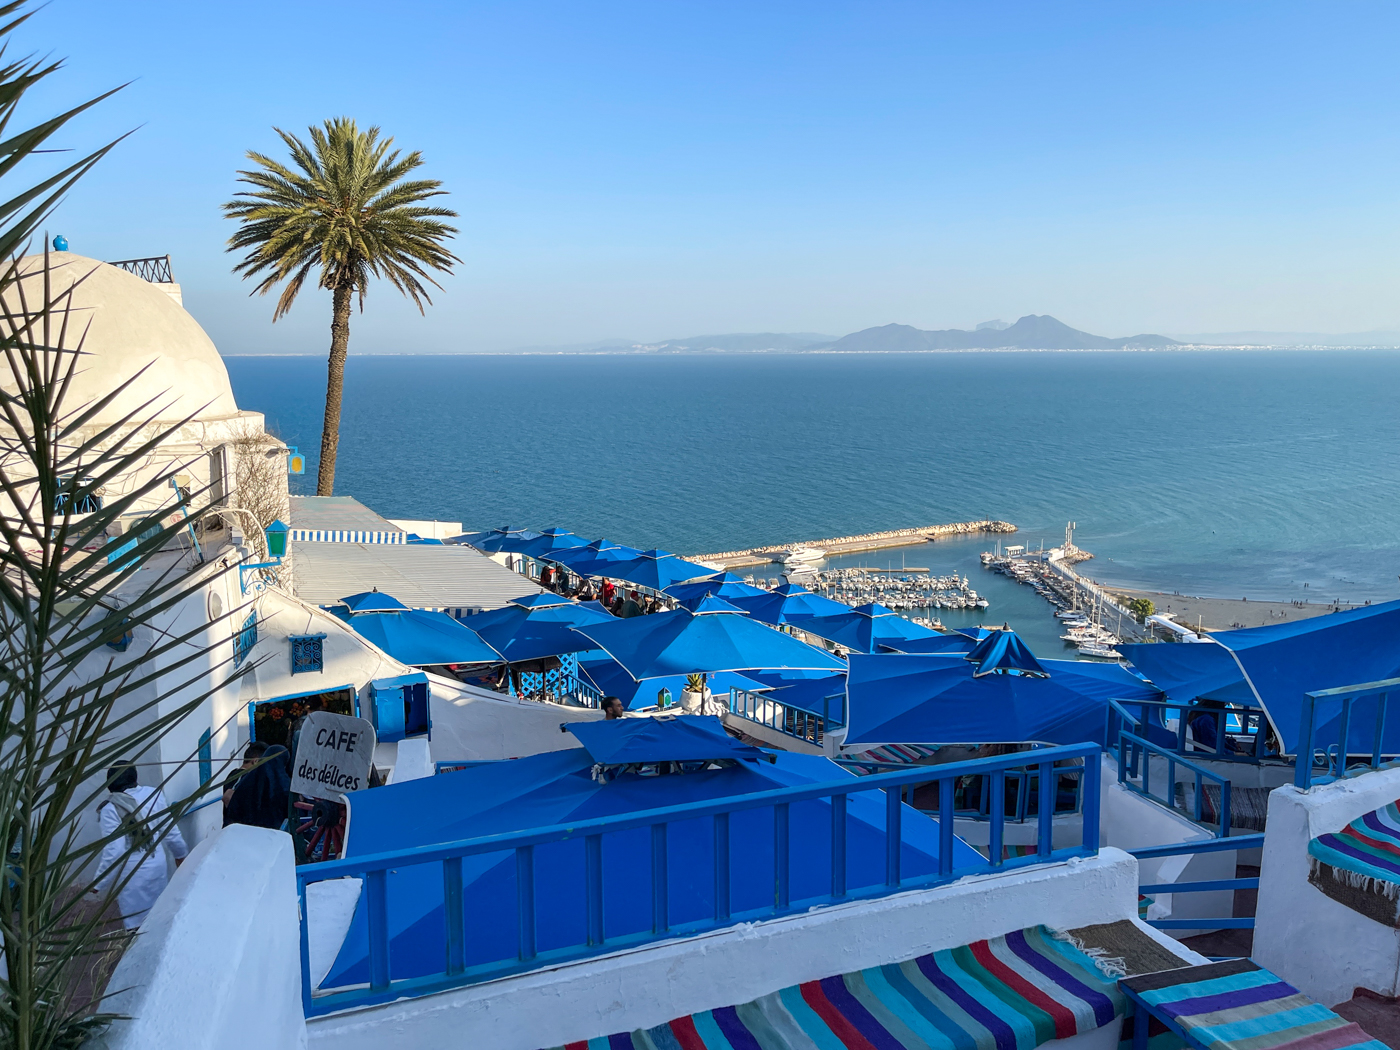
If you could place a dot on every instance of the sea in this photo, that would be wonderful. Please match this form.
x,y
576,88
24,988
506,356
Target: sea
x,y
1267,474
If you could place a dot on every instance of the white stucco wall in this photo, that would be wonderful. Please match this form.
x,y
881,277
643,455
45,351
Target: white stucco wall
x,y
649,986
477,724
1129,821
1324,948
216,965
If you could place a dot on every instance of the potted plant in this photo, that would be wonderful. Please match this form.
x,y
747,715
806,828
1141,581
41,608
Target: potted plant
x,y
695,693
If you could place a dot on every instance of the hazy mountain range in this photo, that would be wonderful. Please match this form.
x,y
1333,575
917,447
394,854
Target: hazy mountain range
x,y
1032,332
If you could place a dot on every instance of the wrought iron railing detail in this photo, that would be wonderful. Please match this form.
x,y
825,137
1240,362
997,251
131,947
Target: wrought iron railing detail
x,y
156,269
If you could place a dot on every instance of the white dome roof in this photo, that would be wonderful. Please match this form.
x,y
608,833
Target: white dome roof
x,y
131,324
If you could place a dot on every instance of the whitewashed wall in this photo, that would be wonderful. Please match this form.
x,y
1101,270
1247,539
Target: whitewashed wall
x,y
1324,948
216,965
1129,821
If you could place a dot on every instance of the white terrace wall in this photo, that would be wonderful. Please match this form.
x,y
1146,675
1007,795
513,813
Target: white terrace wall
x,y
1129,821
649,986
216,965
1324,948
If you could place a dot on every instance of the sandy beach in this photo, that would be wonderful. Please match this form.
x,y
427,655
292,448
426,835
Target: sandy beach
x,y
1222,614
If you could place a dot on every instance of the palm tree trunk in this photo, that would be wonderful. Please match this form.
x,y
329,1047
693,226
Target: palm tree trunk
x,y
335,383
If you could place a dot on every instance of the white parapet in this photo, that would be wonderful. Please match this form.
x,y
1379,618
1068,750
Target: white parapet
x,y
216,965
648,986
1322,947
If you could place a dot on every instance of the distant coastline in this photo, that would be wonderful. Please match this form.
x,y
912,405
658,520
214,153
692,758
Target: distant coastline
x,y
617,352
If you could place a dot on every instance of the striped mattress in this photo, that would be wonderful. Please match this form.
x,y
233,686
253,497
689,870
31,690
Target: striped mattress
x,y
1008,993
1238,1005
1359,866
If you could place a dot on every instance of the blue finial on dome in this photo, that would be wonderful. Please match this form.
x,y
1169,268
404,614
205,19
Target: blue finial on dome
x,y
60,243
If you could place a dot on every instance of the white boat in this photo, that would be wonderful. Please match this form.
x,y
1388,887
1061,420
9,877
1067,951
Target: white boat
x,y
798,555
1099,652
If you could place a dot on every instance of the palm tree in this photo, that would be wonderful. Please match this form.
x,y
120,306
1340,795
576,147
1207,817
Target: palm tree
x,y
344,209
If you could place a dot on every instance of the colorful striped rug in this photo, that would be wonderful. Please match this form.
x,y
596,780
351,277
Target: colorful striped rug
x,y
894,753
1359,866
1009,993
1238,1005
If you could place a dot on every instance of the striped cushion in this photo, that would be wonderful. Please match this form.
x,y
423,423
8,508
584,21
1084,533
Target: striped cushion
x,y
894,753
1238,1005
1008,993
1369,846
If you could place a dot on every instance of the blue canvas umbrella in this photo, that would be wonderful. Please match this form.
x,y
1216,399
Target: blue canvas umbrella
x,y
1002,652
535,626
954,643
612,679
594,559
715,636
657,570
372,602
1277,664
557,787
722,585
895,698
789,604
493,540
865,628
549,542
420,638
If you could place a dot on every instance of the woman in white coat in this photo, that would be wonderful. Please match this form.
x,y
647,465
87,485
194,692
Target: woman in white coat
x,y
136,810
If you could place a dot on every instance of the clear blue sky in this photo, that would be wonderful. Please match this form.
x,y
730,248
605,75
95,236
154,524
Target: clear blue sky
x,y
652,170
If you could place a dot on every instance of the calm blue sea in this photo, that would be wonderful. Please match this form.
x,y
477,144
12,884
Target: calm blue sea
x,y
1220,473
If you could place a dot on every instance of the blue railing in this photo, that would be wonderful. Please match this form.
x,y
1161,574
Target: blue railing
x,y
1202,846
791,721
590,836
1135,763
1237,726
1335,758
973,794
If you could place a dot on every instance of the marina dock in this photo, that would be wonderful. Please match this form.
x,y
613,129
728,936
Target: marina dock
x,y
869,541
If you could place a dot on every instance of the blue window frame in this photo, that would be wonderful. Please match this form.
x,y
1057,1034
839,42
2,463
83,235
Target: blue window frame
x,y
206,759
245,639
88,503
307,656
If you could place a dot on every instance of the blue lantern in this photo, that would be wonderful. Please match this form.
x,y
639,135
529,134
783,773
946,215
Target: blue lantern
x,y
60,243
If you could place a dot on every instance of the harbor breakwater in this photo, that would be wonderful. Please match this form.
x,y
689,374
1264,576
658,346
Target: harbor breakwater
x,y
868,541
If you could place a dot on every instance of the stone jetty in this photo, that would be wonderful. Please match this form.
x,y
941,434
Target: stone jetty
x,y
868,541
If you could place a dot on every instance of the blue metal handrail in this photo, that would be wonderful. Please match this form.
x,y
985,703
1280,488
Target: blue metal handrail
x,y
1335,761
1215,845
790,721
374,869
1135,757
1231,724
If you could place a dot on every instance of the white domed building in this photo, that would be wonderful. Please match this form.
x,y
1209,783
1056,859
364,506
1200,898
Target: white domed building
x,y
136,337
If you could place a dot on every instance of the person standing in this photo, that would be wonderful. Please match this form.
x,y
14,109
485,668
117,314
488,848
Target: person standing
x,y
130,816
262,795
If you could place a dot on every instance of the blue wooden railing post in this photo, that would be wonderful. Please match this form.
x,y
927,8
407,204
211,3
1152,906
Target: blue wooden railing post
x,y
946,788
305,945
377,914
782,856
1089,808
525,899
660,880
838,845
894,813
1045,814
1224,809
722,904
593,886
1302,764
453,916
1376,745
996,816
